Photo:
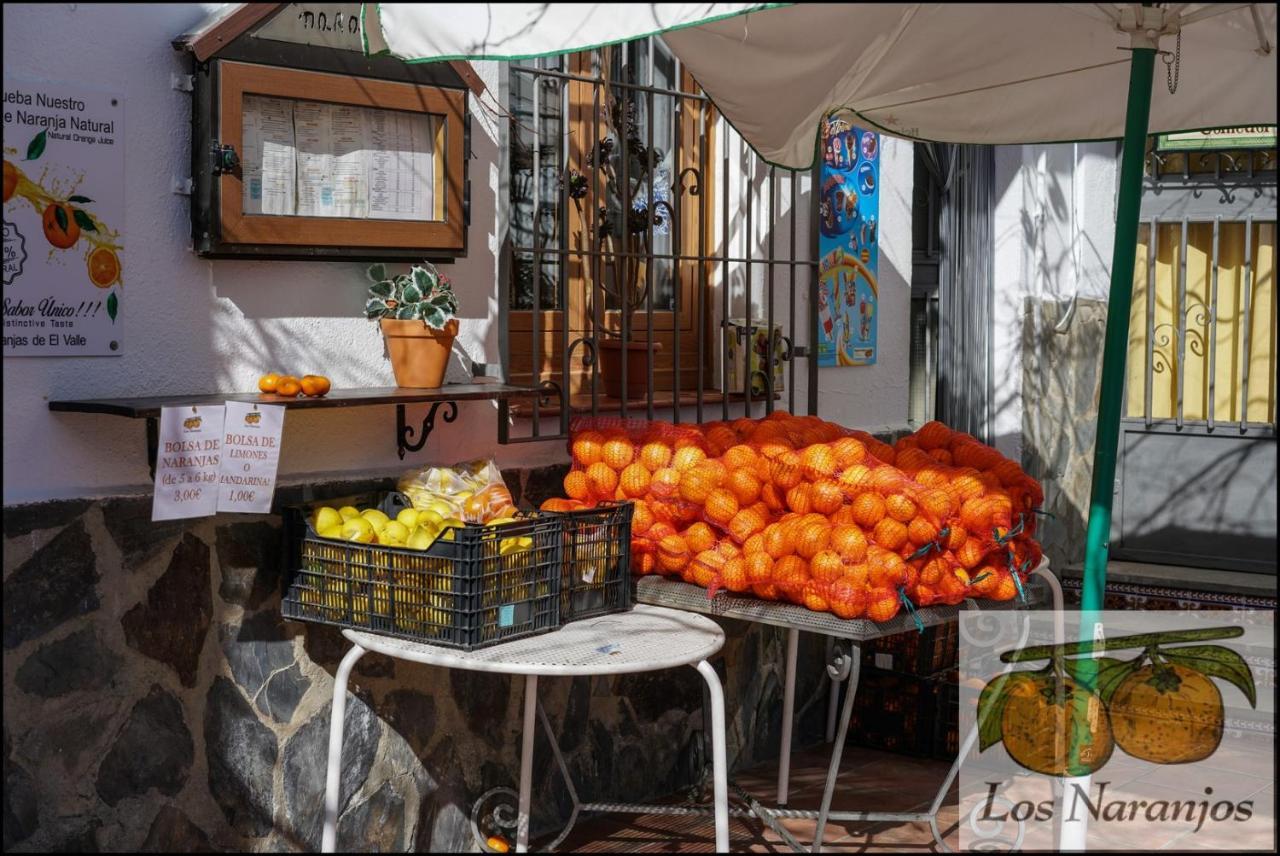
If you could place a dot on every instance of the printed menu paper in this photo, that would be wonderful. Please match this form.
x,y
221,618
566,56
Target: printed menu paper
x,y
188,462
313,159
250,455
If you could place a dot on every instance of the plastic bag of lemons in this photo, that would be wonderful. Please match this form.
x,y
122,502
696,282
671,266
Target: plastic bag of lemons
x,y
473,491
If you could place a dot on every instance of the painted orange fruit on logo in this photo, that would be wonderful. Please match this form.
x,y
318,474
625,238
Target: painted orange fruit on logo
x,y
1055,727
1167,714
104,267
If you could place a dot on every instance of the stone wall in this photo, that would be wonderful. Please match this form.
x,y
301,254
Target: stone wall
x,y
155,700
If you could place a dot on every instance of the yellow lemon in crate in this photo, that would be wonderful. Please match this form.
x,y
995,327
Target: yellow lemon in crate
x,y
358,529
326,518
408,517
394,530
448,526
430,517
376,517
334,532
348,512
420,538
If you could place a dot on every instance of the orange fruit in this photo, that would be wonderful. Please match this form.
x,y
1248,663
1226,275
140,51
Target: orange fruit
x,y
985,579
843,514
942,456
268,382
937,503
720,438
314,386
766,591
588,448
849,451
955,536
931,570
673,553
10,180
665,483
721,506
859,574
60,226
890,534
827,496
933,435
289,387
104,267
604,481
921,532
1006,588
643,564
746,523
558,504
848,540
635,480
744,485
728,549
813,598
739,456
812,539
886,568
786,471
1008,472
899,507
847,599
699,537
577,485
772,497
696,485
641,518
687,458
759,566
970,553
790,573
819,461
868,509
882,604
826,566
880,450
966,485
754,544
912,460
855,479
617,453
734,576
933,476
778,542
887,480
655,456
800,499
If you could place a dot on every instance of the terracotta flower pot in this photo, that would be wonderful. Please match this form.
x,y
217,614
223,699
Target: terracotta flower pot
x,y
639,355
419,354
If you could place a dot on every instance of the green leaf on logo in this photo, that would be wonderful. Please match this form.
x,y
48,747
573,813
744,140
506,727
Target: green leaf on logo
x,y
36,147
113,306
84,221
1107,673
80,199
1216,661
60,215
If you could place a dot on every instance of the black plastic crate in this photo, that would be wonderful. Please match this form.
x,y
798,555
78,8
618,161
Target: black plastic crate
x,y
946,723
597,561
922,653
469,592
894,712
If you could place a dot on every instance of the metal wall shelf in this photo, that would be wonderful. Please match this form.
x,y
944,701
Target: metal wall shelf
x,y
449,395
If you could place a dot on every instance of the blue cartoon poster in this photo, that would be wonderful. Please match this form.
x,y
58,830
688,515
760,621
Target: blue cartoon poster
x,y
848,246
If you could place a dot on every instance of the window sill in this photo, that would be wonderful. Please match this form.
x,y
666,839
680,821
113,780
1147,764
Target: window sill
x,y
1176,576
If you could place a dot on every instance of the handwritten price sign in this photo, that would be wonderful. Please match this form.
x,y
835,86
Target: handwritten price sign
x,y
250,455
188,462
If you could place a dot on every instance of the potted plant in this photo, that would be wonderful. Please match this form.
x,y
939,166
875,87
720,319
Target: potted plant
x,y
626,219
416,312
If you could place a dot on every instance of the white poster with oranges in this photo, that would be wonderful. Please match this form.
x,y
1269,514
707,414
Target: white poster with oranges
x,y
63,220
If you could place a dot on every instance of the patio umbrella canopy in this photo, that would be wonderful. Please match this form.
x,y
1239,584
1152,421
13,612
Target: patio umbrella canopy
x,y
960,73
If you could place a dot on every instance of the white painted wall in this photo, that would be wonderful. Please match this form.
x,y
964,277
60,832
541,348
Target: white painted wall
x,y
193,326
1054,235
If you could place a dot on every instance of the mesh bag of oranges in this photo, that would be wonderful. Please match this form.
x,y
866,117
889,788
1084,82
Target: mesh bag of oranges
x,y
803,510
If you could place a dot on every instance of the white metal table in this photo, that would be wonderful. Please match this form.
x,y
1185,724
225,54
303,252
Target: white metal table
x,y
844,665
646,639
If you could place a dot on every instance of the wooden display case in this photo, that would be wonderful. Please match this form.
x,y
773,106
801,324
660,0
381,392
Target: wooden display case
x,y
303,148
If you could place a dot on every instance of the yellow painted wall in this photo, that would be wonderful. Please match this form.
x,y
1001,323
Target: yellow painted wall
x,y
1225,338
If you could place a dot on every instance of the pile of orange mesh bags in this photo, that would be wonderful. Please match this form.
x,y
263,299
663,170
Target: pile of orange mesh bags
x,y
793,508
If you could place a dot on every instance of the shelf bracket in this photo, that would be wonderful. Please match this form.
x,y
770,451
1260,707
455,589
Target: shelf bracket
x,y
405,432
153,444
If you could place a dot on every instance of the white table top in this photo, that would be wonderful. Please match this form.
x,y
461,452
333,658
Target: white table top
x,y
645,639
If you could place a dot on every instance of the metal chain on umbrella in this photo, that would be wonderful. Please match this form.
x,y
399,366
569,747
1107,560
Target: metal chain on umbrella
x,y
1173,64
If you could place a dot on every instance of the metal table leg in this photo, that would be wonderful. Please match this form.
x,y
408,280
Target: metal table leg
x,y
788,712
337,714
833,697
718,761
526,762
833,770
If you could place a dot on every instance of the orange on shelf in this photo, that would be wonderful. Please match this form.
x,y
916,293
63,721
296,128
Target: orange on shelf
x,y
868,509
812,539
848,540
289,387
734,576
890,534
826,566
314,386
268,382
882,604
847,599
699,537
720,507
747,523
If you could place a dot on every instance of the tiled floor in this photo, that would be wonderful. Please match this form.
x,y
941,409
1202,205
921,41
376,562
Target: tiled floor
x,y
869,780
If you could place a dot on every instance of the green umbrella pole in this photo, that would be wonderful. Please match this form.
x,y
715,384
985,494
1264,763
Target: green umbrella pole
x,y
1116,343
